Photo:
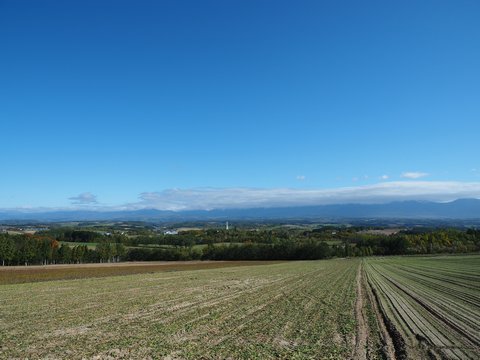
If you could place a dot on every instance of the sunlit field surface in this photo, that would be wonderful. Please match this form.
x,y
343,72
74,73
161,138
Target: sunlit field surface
x,y
398,307
296,309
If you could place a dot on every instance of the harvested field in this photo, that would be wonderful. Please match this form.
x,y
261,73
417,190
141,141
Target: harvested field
x,y
286,310
376,308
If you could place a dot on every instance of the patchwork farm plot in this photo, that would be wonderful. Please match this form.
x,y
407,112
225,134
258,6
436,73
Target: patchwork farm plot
x,y
329,309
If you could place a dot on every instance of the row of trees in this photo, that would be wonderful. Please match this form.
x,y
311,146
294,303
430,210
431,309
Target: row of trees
x,y
47,248
286,250
421,242
29,249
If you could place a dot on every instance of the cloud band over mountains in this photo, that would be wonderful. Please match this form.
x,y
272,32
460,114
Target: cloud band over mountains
x,y
229,198
243,198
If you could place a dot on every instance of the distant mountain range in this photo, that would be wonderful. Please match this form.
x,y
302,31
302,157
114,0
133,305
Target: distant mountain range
x,y
458,209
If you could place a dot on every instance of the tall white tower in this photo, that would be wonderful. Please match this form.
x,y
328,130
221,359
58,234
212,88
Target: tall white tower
x,y
226,226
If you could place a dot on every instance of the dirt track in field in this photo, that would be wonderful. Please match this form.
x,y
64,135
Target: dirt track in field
x,y
362,327
388,348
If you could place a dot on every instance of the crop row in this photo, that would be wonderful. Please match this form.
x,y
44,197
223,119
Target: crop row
x,y
433,303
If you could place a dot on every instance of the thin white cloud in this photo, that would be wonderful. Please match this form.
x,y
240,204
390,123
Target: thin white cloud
x,y
384,177
414,174
85,198
221,198
301,177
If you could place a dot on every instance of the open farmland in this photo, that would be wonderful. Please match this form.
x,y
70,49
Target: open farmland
x,y
287,310
394,308
431,305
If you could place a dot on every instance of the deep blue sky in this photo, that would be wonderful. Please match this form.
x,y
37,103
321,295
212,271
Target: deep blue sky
x,y
118,98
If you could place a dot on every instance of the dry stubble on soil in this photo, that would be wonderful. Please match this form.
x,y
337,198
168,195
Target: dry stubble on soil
x,y
287,310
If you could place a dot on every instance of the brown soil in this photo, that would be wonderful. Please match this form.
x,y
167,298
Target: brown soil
x,y
102,265
25,274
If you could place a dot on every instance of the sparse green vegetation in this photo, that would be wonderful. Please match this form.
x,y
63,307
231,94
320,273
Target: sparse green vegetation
x,y
287,310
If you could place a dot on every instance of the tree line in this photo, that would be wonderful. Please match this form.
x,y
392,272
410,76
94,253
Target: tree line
x,y
26,249
49,247
287,250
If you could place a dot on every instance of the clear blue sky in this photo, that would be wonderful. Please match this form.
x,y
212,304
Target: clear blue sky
x,y
119,98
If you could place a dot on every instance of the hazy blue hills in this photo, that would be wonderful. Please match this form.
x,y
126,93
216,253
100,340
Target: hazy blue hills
x,y
459,209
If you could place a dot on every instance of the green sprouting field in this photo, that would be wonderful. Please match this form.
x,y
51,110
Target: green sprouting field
x,y
329,309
